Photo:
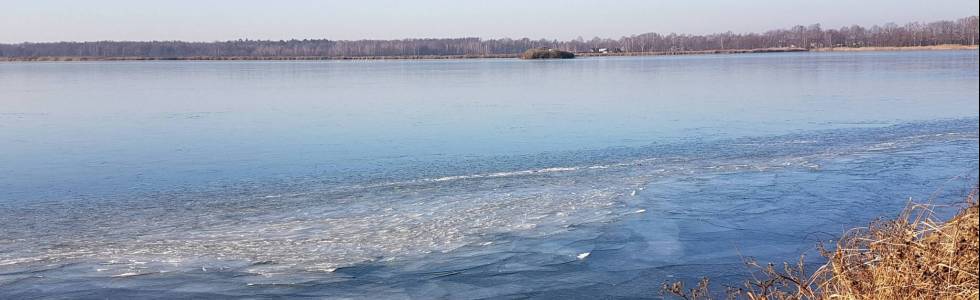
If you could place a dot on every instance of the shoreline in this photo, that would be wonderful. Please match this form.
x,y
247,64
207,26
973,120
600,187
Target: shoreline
x,y
916,255
944,47
481,56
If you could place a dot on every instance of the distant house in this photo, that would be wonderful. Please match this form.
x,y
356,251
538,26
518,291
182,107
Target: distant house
x,y
606,50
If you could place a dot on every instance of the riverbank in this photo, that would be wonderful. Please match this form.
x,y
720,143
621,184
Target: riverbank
x,y
475,56
720,51
908,48
915,256
251,58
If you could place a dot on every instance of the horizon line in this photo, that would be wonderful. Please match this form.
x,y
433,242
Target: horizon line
x,y
470,37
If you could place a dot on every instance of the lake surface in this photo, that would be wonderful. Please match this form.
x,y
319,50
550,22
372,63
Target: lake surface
x,y
595,177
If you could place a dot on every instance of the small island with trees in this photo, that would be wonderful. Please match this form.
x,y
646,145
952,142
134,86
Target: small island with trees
x,y
546,53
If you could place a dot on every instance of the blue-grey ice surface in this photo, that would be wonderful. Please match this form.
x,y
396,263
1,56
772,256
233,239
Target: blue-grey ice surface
x,y
462,179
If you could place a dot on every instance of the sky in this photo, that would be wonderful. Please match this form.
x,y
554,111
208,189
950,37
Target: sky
x,y
211,20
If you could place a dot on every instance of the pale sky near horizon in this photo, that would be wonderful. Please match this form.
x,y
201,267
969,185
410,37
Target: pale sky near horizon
x,y
203,20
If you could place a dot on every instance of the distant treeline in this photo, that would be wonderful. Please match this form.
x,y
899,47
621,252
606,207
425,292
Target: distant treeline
x,y
963,31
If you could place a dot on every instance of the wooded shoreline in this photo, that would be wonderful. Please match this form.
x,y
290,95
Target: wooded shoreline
x,y
937,35
488,56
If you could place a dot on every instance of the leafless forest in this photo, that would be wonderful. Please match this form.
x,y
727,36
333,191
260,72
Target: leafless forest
x,y
963,31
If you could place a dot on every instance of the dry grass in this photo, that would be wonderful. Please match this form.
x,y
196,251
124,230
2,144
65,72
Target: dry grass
x,y
912,257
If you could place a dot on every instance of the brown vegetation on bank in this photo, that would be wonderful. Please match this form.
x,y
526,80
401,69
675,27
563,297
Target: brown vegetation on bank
x,y
912,257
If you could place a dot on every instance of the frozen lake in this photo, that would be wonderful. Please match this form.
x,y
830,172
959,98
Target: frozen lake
x,y
462,178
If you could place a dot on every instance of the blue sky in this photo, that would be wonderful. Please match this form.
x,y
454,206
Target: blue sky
x,y
203,20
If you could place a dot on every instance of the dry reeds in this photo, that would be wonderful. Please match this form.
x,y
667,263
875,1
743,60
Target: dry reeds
x,y
912,257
